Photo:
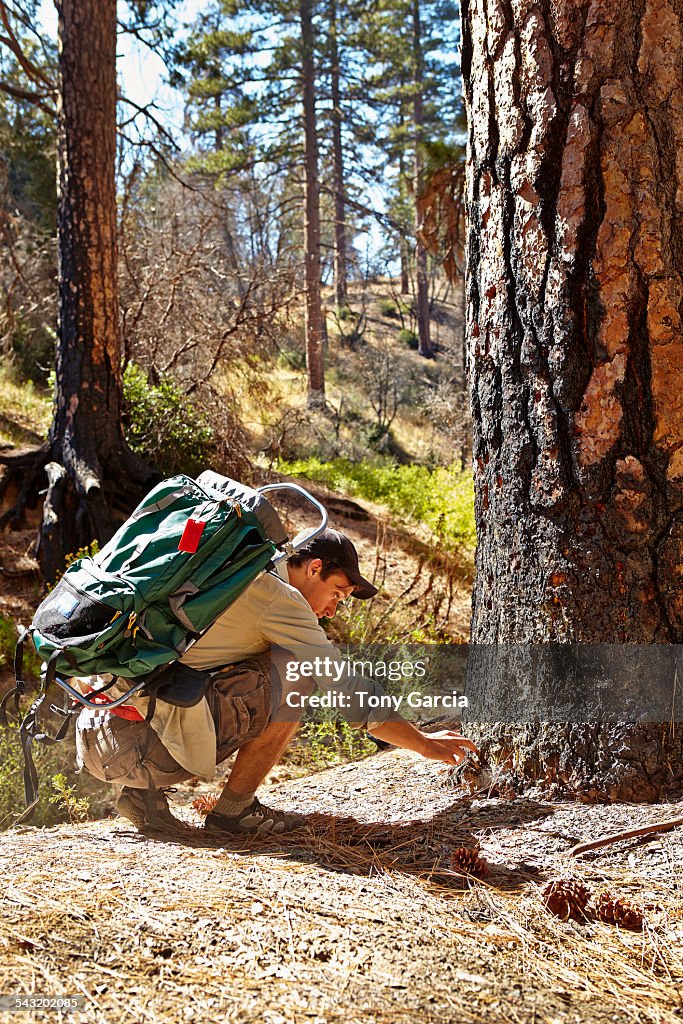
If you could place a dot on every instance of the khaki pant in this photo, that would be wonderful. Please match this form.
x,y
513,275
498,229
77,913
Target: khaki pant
x,y
117,750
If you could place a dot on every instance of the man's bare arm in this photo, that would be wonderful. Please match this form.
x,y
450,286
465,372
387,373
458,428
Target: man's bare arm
x,y
447,746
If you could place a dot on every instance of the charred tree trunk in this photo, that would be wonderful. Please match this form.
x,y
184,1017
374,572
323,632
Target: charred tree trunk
x,y
314,322
90,469
574,289
340,256
421,270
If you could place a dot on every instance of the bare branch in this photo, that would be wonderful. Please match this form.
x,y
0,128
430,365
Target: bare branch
x,y
11,41
146,112
631,833
31,97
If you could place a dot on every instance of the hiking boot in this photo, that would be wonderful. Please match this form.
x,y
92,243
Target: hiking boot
x,y
254,818
132,804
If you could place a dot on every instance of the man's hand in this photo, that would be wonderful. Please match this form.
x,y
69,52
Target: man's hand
x,y
447,746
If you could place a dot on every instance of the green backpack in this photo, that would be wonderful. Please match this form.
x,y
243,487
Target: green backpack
x,y
185,554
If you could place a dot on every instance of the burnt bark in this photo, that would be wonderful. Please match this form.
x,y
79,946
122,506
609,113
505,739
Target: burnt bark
x,y
574,289
314,319
98,473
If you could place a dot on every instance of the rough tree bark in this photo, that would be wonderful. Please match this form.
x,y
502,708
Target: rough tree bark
x,y
314,320
90,470
574,290
421,273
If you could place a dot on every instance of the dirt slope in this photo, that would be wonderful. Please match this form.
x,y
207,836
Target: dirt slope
x,y
356,918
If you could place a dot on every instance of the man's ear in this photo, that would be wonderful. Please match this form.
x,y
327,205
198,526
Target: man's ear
x,y
314,566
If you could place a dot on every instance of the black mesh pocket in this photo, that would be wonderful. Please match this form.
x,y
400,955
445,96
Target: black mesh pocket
x,y
68,613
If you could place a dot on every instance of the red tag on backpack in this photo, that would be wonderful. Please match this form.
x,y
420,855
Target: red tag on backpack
x,y
191,536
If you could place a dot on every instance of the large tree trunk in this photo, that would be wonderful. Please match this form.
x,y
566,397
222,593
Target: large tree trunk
x,y
574,288
314,324
89,468
87,421
340,257
421,271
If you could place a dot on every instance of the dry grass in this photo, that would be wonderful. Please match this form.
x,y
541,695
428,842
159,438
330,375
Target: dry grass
x,y
268,390
25,410
350,919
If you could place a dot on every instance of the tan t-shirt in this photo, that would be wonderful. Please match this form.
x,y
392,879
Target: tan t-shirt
x,y
270,613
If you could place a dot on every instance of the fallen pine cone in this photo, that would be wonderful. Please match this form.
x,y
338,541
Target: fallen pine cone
x,y
567,898
613,910
205,804
466,861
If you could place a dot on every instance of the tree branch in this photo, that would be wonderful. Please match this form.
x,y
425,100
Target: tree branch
x,y
11,41
631,833
146,112
25,94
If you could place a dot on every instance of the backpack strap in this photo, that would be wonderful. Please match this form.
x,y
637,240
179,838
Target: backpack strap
x,y
28,732
19,685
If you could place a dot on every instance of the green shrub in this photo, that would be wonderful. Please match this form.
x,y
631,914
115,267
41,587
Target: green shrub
x,y
322,744
66,797
163,426
442,498
63,795
33,348
346,313
292,359
388,308
8,641
409,338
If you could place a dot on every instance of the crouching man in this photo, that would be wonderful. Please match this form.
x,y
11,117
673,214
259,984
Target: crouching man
x,y
248,707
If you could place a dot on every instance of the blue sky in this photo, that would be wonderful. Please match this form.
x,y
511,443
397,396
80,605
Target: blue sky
x,y
141,72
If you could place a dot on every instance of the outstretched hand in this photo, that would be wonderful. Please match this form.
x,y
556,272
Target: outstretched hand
x,y
447,746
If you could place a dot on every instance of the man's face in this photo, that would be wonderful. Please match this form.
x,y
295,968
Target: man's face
x,y
324,595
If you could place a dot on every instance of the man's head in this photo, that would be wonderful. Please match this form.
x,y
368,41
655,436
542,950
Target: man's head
x,y
325,572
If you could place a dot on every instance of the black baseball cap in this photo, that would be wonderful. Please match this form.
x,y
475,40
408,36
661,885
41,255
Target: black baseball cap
x,y
333,546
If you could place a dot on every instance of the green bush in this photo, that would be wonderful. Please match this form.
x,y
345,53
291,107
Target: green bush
x,y
292,359
8,641
346,313
388,308
323,744
409,338
441,498
63,795
163,426
33,348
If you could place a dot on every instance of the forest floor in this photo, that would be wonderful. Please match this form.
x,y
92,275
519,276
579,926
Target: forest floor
x,y
357,917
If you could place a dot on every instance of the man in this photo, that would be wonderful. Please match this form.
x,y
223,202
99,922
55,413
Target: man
x,y
247,707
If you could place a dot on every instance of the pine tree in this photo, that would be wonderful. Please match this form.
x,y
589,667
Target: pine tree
x,y
575,187
89,468
251,79
413,88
